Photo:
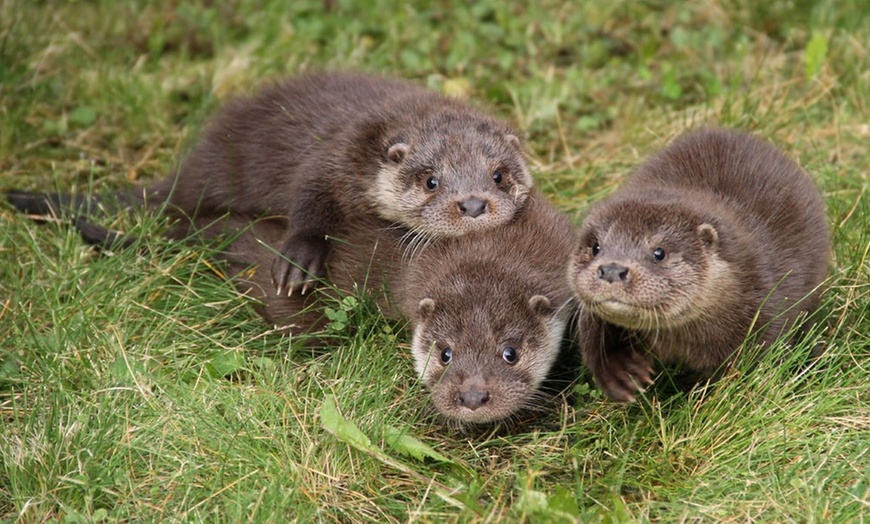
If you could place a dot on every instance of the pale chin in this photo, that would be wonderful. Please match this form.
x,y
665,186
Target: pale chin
x,y
617,312
460,227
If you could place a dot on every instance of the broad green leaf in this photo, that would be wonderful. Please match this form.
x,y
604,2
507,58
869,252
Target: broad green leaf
x,y
225,363
814,54
345,430
405,444
564,501
83,115
126,370
350,434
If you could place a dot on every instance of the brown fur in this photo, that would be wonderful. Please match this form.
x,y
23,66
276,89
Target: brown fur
x,y
476,294
328,149
480,294
743,233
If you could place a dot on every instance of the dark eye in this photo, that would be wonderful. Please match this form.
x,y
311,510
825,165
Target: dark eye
x,y
496,176
659,254
432,183
509,355
446,355
596,249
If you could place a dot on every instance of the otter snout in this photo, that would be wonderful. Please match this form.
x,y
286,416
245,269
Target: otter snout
x,y
613,273
472,207
472,396
473,399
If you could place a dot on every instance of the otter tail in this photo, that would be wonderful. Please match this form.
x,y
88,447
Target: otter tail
x,y
58,205
78,208
45,204
101,237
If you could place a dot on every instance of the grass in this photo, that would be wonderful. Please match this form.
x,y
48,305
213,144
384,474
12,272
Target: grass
x,y
140,387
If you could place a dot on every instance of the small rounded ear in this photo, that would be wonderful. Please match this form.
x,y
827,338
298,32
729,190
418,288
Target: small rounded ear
x,y
708,235
540,305
514,140
426,308
396,153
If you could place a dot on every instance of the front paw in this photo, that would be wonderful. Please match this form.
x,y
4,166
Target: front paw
x,y
622,375
299,263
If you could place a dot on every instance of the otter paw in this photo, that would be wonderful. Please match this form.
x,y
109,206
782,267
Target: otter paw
x,y
298,264
624,374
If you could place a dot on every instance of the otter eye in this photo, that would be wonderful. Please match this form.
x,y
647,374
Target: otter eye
x,y
659,254
497,177
509,355
596,249
432,183
446,355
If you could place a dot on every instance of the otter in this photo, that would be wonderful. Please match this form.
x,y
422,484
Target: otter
x,y
717,238
328,148
488,313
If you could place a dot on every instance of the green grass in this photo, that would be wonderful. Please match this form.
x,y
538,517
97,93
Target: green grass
x,y
140,387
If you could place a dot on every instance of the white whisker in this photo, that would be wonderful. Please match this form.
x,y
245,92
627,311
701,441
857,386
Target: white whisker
x,y
415,242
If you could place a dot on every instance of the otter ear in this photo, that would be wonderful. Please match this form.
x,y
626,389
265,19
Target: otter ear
x,y
540,305
396,153
514,140
426,308
708,235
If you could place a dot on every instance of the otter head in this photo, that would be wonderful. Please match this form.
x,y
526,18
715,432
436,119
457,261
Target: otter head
x,y
485,362
451,173
648,265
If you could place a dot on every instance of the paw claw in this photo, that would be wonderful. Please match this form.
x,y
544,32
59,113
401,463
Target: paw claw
x,y
300,251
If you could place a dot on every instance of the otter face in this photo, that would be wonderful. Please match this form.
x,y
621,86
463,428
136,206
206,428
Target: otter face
x,y
648,266
480,366
451,175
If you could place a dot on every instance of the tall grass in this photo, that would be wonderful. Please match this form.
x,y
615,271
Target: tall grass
x,y
139,385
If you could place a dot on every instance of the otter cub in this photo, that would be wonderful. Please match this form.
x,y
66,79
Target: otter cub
x,y
489,312
323,150
716,237
328,148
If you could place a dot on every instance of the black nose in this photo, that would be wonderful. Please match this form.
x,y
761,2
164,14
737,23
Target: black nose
x,y
473,398
613,273
472,207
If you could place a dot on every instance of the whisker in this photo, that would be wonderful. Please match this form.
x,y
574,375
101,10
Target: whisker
x,y
415,244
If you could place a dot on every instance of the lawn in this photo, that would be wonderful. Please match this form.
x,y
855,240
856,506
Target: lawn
x,y
140,386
